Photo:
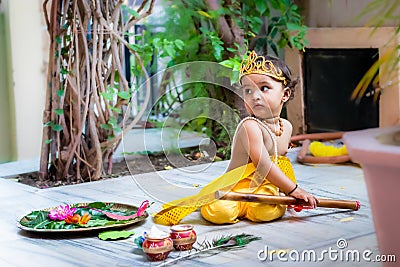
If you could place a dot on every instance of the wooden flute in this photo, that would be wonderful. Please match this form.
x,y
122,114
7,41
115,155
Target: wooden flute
x,y
286,200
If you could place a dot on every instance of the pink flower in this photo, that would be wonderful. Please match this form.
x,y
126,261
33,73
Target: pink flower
x,y
145,204
61,212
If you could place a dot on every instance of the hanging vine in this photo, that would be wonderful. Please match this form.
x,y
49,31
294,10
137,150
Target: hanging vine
x,y
87,97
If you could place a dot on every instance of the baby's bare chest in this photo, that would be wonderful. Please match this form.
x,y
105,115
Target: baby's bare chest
x,y
282,143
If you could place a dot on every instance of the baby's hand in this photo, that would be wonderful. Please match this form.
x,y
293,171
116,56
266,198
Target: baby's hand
x,y
304,195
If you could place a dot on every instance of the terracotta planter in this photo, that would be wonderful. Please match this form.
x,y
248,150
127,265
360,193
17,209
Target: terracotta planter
x,y
378,153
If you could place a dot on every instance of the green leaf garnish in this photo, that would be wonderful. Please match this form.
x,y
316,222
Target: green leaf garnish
x,y
113,235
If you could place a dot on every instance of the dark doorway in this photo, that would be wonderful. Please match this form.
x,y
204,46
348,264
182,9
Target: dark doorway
x,y
330,76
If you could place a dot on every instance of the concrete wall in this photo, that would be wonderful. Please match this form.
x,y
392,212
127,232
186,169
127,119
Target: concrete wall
x,y
24,42
338,24
349,37
7,142
339,13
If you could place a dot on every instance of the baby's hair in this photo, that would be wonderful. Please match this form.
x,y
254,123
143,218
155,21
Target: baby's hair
x,y
280,64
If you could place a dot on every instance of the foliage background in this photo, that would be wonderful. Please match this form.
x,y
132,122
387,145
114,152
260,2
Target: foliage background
x,y
88,92
218,31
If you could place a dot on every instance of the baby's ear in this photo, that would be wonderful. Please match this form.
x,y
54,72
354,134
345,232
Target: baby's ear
x,y
286,94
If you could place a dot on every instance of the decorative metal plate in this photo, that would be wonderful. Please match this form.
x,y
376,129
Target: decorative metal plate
x,y
115,207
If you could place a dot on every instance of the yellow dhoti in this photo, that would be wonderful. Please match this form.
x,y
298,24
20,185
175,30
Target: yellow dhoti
x,y
224,211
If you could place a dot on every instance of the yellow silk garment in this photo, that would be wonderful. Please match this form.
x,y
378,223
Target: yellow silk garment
x,y
173,212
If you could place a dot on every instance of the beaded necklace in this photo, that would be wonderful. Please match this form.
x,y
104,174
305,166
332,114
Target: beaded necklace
x,y
277,132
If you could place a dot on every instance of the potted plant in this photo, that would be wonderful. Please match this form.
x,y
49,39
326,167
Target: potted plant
x,y
378,152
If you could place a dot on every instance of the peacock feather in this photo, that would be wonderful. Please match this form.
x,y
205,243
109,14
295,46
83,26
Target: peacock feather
x,y
217,245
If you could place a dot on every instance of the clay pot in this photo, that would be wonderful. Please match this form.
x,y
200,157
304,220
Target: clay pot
x,y
378,152
157,248
183,236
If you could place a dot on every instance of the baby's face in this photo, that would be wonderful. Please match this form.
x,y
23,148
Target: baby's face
x,y
263,95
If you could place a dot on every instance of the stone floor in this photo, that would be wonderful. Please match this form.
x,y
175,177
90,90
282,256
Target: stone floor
x,y
320,231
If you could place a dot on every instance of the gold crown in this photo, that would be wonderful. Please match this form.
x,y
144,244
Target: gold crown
x,y
255,64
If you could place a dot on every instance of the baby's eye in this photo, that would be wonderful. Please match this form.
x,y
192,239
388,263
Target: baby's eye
x,y
264,88
247,91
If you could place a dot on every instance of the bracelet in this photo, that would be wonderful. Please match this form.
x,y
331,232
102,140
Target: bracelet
x,y
293,190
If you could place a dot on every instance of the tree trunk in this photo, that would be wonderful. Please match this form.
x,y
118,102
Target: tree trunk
x,y
87,96
231,34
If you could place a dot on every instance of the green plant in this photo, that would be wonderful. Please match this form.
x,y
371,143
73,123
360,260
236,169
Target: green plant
x,y
382,11
218,31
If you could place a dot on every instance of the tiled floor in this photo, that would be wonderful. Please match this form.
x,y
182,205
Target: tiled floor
x,y
310,231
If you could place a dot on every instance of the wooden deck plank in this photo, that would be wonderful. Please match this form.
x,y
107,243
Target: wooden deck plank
x,y
310,229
